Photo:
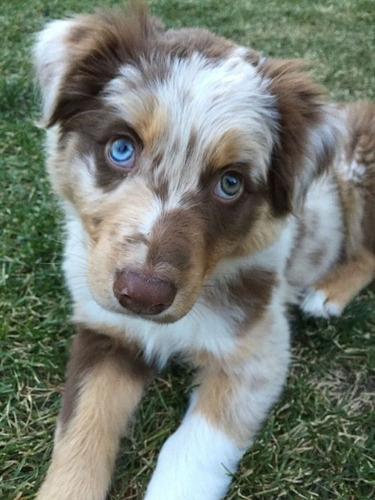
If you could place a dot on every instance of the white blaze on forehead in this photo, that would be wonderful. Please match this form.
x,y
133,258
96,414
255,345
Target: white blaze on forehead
x,y
215,96
201,97
149,218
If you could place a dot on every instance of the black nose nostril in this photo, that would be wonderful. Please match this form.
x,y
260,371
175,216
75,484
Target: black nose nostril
x,y
143,294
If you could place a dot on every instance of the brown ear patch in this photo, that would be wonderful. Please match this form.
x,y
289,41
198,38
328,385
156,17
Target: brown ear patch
x,y
300,105
185,42
99,45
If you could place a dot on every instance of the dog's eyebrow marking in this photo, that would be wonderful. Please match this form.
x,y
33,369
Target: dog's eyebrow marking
x,y
151,123
233,146
139,107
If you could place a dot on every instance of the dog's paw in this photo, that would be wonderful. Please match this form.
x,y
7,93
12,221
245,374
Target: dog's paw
x,y
316,303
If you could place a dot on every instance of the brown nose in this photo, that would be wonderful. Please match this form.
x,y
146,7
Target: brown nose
x,y
143,294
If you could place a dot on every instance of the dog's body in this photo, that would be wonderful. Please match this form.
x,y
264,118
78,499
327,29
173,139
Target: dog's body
x,y
205,188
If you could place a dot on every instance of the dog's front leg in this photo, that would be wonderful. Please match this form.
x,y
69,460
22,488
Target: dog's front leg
x,y
228,406
104,384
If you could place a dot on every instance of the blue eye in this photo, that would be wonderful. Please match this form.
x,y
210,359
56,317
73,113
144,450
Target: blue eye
x,y
121,152
229,187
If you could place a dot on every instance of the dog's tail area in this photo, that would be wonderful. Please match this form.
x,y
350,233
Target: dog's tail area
x,y
357,167
359,119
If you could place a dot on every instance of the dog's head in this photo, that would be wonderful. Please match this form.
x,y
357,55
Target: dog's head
x,y
177,149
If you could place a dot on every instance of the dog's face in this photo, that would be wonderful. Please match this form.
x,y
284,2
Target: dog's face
x,y
177,150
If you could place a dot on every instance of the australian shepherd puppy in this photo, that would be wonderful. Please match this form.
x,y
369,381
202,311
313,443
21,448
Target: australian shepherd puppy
x,y
205,187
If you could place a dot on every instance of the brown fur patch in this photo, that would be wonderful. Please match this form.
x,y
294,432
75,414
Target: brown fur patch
x,y
301,108
185,42
352,206
105,42
215,392
90,349
227,225
192,142
169,240
161,188
252,57
360,148
318,256
251,291
96,130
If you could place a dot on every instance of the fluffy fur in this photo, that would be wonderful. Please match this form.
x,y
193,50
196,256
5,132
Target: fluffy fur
x,y
162,261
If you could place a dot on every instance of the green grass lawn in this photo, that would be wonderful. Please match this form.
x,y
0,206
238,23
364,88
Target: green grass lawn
x,y
319,440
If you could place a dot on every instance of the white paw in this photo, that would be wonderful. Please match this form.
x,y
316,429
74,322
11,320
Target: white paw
x,y
195,463
316,304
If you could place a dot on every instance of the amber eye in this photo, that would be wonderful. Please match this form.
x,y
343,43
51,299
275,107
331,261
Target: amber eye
x,y
121,152
229,187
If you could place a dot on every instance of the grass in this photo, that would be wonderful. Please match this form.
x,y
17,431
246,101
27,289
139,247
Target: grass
x,y
319,439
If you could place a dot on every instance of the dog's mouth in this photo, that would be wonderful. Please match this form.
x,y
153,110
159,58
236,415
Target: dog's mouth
x,y
143,294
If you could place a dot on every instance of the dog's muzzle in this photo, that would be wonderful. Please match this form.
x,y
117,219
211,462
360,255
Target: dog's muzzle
x,y
143,294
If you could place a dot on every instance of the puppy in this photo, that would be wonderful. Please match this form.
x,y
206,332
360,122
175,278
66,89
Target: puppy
x,y
205,187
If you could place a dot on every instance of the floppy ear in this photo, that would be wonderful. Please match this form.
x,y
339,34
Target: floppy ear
x,y
307,132
53,50
75,58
